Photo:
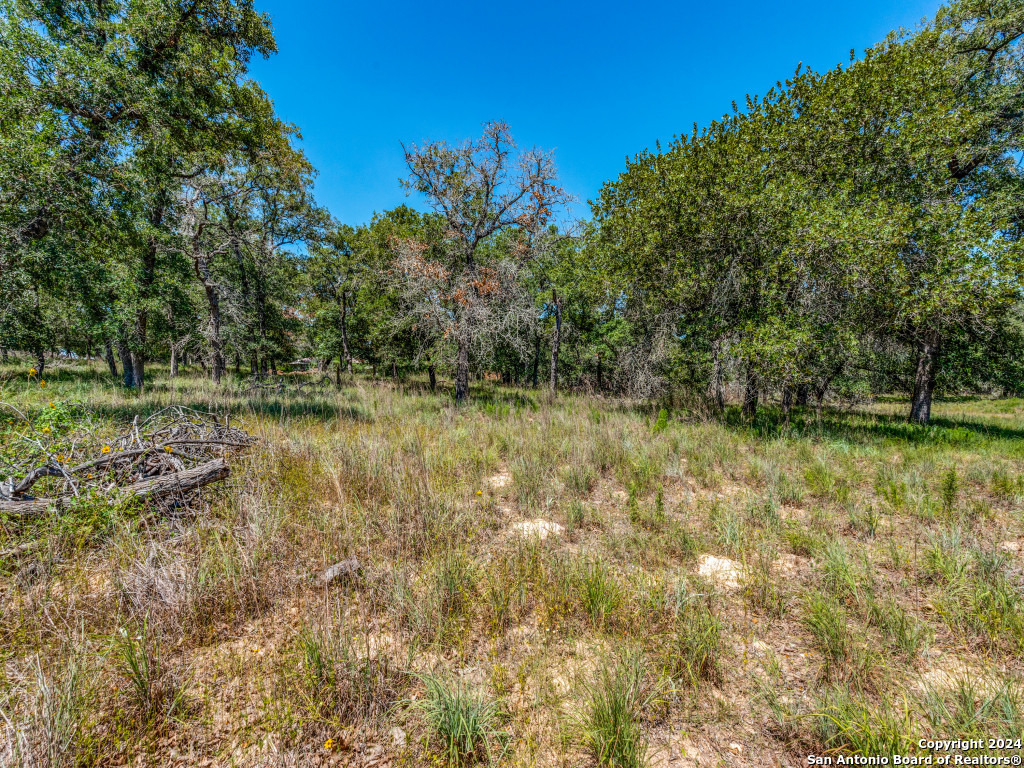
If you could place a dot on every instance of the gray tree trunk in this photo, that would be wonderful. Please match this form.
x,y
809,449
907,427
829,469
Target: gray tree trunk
x,y
462,372
924,378
556,340
715,390
126,363
751,394
344,332
108,353
536,358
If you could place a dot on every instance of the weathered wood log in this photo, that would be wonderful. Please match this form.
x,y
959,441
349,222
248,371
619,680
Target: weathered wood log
x,y
173,482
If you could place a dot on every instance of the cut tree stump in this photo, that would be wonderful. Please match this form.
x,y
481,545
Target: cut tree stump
x,y
173,482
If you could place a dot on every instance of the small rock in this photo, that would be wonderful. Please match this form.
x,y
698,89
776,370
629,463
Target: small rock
x,y
398,737
347,571
1010,547
499,480
735,748
720,569
539,528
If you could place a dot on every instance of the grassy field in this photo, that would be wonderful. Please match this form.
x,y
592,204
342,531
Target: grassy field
x,y
573,583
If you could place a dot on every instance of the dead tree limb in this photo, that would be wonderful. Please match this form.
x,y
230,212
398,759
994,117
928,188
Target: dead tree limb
x,y
173,482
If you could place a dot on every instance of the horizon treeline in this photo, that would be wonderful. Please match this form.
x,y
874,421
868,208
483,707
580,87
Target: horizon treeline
x,y
849,232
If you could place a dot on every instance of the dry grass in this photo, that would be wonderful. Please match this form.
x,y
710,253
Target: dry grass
x,y
868,587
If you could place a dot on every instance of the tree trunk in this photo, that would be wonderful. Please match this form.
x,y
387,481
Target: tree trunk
x,y
787,398
598,357
536,358
217,364
337,375
462,372
432,373
751,394
803,391
146,282
40,362
174,360
108,353
126,363
556,340
924,379
139,368
344,332
715,389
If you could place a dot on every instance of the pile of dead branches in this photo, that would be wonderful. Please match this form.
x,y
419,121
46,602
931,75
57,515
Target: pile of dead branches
x,y
173,451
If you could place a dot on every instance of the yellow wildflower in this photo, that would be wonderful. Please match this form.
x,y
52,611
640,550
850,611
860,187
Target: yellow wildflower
x,y
89,476
329,744
52,405
105,449
168,449
31,371
43,383
46,429
479,493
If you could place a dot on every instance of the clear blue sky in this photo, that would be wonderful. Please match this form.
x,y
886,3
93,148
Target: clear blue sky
x,y
596,82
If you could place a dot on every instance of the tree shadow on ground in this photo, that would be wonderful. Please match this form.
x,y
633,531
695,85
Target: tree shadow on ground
x,y
857,426
266,407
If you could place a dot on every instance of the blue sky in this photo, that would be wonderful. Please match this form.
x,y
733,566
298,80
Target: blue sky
x,y
596,82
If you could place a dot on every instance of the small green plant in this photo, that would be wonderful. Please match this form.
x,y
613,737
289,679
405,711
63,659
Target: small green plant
x,y
662,423
975,710
845,655
908,634
1005,486
865,521
462,722
599,592
575,515
839,574
950,490
691,652
608,725
579,479
764,512
345,680
51,733
760,588
892,488
946,559
454,580
141,662
847,723
730,527
528,480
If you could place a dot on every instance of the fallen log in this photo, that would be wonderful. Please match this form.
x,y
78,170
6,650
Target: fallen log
x,y
173,482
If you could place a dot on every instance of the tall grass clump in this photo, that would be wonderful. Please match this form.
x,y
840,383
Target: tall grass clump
x,y
345,679
608,724
689,652
139,658
855,725
599,592
463,723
